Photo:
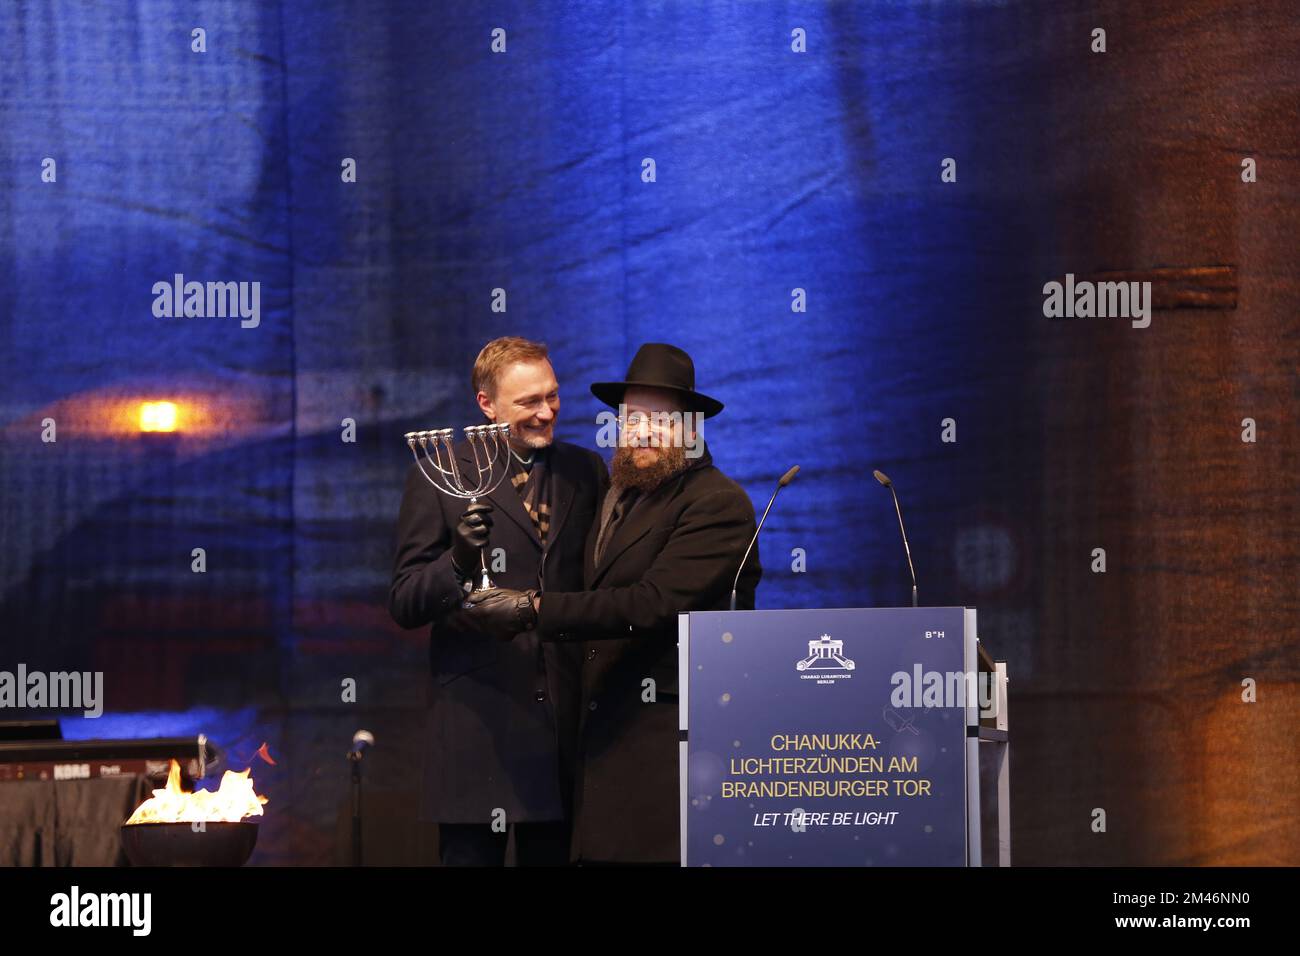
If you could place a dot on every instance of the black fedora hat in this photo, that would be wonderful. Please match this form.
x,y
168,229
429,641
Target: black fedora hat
x,y
657,365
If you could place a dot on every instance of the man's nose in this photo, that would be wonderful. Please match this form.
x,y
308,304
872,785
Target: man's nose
x,y
545,413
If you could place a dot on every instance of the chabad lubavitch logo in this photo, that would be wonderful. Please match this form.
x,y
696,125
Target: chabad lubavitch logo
x,y
825,661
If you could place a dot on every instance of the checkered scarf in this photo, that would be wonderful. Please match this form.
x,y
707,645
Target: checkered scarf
x,y
533,484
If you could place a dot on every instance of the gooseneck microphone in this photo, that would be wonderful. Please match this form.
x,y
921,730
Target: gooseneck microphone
x,y
785,480
884,480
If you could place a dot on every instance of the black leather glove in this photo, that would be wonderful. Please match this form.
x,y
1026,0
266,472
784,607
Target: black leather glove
x,y
469,537
501,612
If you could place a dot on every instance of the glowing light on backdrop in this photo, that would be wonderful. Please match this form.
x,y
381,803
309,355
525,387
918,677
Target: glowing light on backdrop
x,y
158,417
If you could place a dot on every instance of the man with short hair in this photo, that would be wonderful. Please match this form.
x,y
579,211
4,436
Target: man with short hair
x,y
502,716
671,537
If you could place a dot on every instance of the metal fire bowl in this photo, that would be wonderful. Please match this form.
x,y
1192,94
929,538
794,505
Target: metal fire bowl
x,y
179,844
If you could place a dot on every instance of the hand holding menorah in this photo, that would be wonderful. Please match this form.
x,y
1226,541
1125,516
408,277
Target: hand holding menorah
x,y
489,447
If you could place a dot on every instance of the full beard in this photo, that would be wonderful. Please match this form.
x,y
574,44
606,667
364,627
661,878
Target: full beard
x,y
624,472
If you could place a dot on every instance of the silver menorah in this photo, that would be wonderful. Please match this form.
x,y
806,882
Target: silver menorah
x,y
487,444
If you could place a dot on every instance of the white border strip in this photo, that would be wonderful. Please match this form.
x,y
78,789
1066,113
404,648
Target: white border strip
x,y
683,716
974,855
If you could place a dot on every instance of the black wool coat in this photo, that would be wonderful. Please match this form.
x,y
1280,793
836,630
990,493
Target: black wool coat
x,y
678,550
502,716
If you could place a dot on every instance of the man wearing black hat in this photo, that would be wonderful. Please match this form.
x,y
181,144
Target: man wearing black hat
x,y
670,537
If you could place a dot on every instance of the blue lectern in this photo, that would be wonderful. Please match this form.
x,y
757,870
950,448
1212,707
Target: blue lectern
x,y
838,737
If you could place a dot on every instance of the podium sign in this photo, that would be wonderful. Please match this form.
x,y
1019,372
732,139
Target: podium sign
x,y
828,737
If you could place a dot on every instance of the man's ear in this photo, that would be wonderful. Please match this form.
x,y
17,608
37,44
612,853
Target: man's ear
x,y
485,405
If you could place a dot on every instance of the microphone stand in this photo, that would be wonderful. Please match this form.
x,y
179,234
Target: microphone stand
x,y
354,758
360,741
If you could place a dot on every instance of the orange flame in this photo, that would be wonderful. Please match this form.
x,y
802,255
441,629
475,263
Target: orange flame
x,y
229,803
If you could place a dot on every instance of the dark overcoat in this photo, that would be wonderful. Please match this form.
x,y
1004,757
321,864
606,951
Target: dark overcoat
x,y
502,717
678,550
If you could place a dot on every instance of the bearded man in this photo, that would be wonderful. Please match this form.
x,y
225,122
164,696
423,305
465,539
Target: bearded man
x,y
671,535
